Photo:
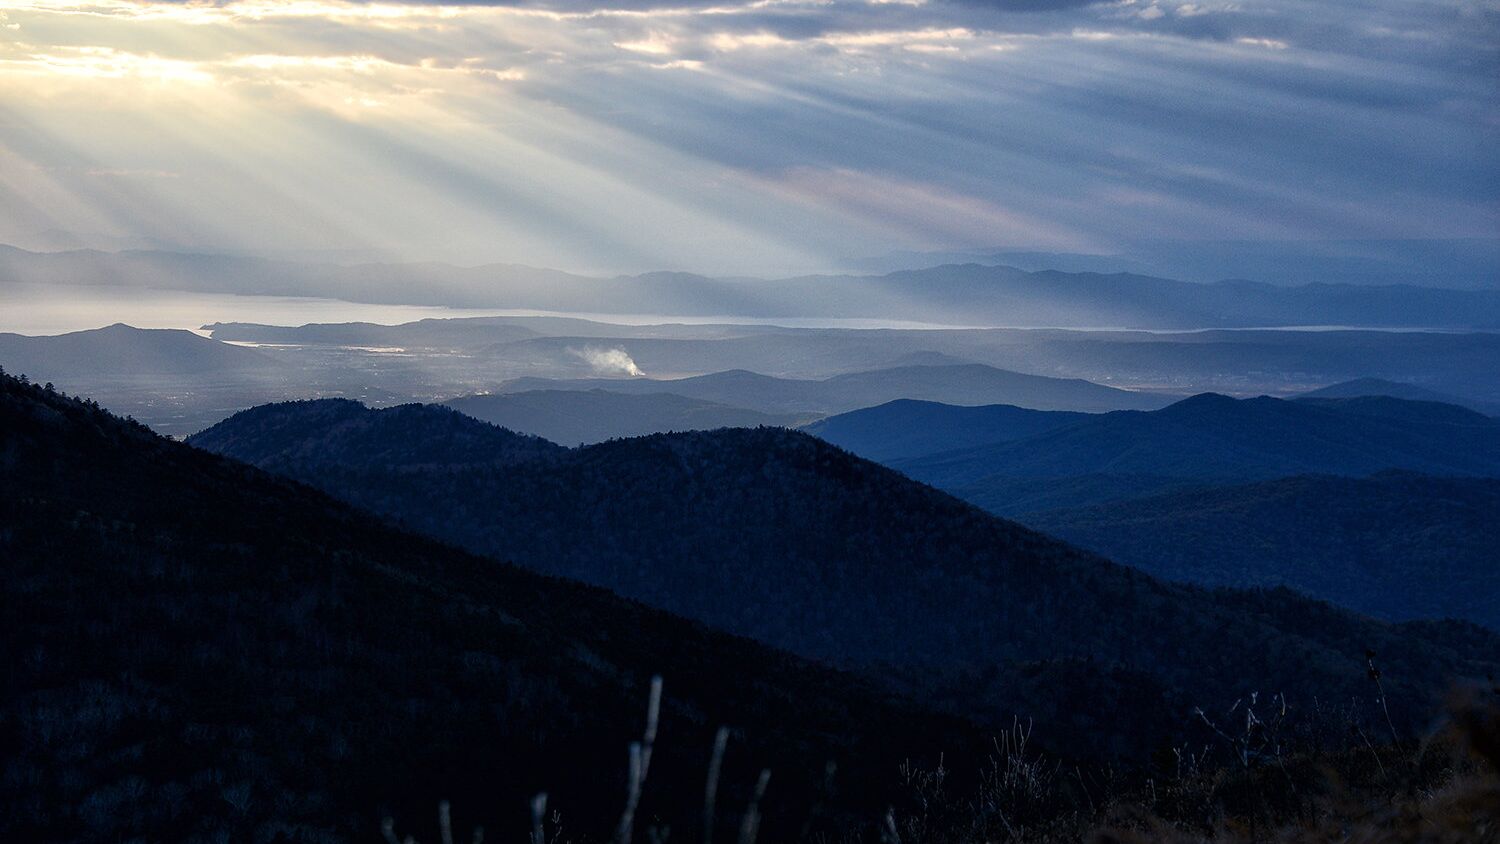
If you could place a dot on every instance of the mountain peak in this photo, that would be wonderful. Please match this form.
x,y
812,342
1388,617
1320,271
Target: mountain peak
x,y
1201,403
326,431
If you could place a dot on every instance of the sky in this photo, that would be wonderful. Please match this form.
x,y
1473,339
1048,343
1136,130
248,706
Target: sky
x,y
757,137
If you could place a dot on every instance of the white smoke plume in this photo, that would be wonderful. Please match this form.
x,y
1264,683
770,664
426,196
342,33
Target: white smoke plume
x,y
609,361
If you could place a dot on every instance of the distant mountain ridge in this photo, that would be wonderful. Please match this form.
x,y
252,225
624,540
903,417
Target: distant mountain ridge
x,y
1237,361
122,351
951,384
1465,263
956,294
426,333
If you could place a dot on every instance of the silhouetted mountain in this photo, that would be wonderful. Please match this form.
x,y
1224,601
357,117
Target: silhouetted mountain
x,y
906,428
196,650
1395,545
966,384
954,294
120,351
777,535
1361,387
591,416
334,432
1216,437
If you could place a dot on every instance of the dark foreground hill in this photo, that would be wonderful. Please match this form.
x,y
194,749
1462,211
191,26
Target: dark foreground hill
x,y
591,416
776,535
1395,545
196,650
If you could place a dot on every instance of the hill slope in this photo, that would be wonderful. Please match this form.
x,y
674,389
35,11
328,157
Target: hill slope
x,y
1362,387
195,649
591,416
907,428
1215,437
1395,545
842,560
123,351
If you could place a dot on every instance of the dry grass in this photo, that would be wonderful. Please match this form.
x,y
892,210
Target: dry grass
x,y
1444,790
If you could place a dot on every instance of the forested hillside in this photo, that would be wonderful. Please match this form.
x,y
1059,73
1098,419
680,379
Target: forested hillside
x,y
906,428
1215,437
197,650
842,560
1396,545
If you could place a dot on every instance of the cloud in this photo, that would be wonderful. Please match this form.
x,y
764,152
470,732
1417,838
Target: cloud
x,y
748,136
608,361
1030,5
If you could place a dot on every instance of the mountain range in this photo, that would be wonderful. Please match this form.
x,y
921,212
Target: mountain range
x,y
1167,491
186,384
951,383
1466,263
1239,361
955,294
775,535
1213,437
